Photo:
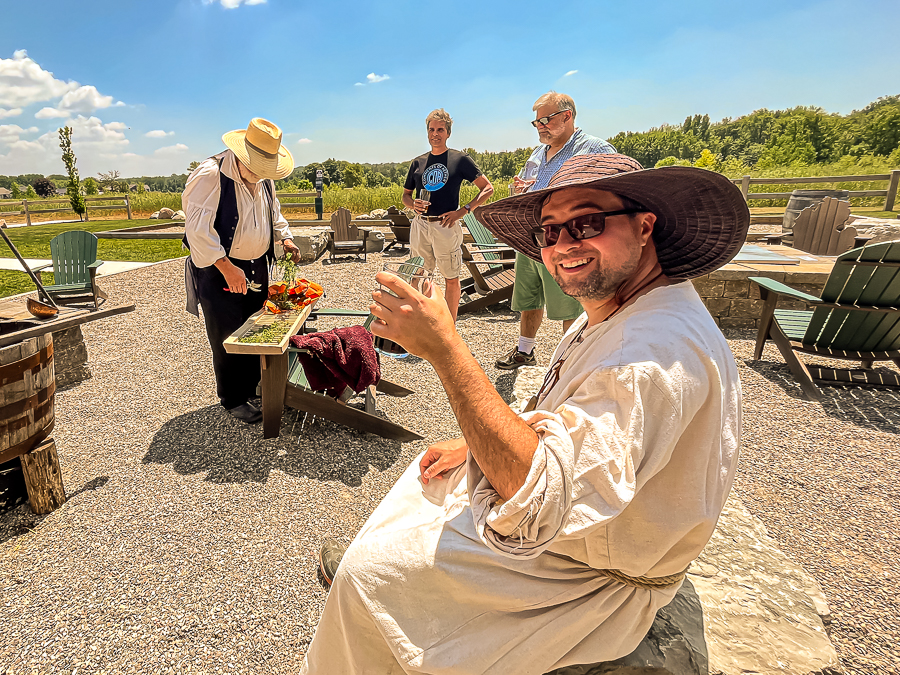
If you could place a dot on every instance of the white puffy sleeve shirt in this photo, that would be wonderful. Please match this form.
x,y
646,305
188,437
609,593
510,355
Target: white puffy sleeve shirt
x,y
200,201
638,444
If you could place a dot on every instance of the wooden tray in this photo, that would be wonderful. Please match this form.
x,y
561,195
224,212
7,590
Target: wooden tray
x,y
260,320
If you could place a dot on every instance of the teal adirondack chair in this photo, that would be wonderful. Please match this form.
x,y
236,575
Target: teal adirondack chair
x,y
74,256
492,274
299,395
857,318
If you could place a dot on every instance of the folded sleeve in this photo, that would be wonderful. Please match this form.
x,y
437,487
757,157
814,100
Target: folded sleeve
x,y
584,471
200,201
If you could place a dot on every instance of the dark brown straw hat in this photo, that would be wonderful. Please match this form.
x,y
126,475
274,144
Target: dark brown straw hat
x,y
701,217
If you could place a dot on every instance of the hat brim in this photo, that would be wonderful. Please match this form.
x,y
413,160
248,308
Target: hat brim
x,y
280,167
701,217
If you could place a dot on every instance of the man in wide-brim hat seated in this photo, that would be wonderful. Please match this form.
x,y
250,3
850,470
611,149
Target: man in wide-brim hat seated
x,y
232,221
551,536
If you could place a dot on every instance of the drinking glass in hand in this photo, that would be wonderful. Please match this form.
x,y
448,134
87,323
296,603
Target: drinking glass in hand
x,y
425,196
417,277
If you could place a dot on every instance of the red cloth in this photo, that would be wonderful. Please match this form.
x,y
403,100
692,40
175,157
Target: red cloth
x,y
339,358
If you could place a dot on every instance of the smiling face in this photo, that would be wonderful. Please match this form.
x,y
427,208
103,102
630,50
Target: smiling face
x,y
438,135
594,269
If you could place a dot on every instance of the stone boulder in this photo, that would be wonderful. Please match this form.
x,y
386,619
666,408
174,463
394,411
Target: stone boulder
x,y
166,214
178,215
310,240
154,215
375,242
744,607
880,229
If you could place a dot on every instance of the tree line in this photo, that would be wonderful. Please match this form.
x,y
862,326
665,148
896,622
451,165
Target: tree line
x,y
764,139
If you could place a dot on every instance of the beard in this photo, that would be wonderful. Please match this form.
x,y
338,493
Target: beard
x,y
601,283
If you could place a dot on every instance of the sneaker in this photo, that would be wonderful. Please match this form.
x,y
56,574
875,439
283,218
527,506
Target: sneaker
x,y
516,359
329,558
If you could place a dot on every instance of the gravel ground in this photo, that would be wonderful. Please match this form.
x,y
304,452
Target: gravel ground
x,y
189,543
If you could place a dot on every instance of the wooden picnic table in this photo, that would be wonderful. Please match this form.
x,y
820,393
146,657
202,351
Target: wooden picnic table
x,y
273,358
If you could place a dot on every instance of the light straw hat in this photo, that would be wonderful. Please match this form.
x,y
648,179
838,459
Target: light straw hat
x,y
701,218
259,148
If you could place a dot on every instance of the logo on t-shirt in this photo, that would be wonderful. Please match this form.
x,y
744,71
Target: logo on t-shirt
x,y
435,177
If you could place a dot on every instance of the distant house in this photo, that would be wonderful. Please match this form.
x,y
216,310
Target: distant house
x,y
61,191
4,193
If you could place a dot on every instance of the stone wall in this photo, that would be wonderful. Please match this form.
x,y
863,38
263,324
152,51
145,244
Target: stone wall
x,y
734,302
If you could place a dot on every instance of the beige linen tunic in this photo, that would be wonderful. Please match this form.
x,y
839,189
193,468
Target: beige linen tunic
x,y
638,447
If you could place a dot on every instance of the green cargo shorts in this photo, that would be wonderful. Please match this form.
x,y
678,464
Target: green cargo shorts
x,y
535,289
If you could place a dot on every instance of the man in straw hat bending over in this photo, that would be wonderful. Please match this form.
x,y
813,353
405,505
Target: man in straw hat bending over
x,y
551,537
232,221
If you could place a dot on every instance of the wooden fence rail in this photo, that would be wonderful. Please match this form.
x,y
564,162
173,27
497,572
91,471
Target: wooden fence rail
x,y
890,194
28,209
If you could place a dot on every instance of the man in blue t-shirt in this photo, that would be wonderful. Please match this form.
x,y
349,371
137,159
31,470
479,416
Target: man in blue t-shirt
x,y
534,288
436,232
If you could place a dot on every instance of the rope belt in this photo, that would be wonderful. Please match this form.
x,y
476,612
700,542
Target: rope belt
x,y
647,583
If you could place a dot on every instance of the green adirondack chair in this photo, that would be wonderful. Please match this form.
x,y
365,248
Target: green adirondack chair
x,y
74,256
491,268
857,318
299,395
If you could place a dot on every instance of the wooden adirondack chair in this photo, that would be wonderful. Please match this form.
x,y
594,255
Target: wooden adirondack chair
x,y
298,394
857,319
821,229
491,266
400,226
346,238
74,256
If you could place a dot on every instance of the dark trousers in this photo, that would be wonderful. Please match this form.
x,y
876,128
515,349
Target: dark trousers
x,y
237,375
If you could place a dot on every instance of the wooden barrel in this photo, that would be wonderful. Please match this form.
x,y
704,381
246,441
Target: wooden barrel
x,y
800,199
27,387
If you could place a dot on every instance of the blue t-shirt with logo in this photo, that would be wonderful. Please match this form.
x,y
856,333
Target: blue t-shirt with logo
x,y
442,175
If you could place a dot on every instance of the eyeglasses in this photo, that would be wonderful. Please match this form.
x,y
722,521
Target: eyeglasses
x,y
544,121
582,227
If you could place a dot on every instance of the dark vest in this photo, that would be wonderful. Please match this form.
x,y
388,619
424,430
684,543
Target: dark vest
x,y
226,221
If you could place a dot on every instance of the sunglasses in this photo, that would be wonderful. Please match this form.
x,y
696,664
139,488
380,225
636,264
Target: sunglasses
x,y
582,227
544,121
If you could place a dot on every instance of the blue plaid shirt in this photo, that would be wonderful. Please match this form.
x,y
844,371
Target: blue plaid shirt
x,y
542,171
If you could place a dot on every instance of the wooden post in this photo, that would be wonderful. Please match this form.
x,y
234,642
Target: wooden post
x,y
892,190
43,478
128,205
27,215
745,186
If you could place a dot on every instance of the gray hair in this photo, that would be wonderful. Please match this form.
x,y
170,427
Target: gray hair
x,y
561,101
441,115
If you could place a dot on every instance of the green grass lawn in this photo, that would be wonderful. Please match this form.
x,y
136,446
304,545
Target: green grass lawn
x,y
34,242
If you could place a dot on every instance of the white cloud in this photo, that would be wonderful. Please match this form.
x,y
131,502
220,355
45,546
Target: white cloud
x,y
84,99
570,73
302,141
159,133
373,78
359,84
23,82
12,112
10,133
171,149
233,4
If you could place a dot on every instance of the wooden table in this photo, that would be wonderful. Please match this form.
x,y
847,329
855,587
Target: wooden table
x,y
273,358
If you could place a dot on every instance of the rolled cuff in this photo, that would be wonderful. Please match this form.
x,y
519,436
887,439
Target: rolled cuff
x,y
527,524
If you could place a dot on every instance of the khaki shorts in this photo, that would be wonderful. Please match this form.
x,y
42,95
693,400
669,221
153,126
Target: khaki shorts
x,y
437,245
535,287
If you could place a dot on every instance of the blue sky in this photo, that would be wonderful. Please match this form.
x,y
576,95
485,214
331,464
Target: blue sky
x,y
150,86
